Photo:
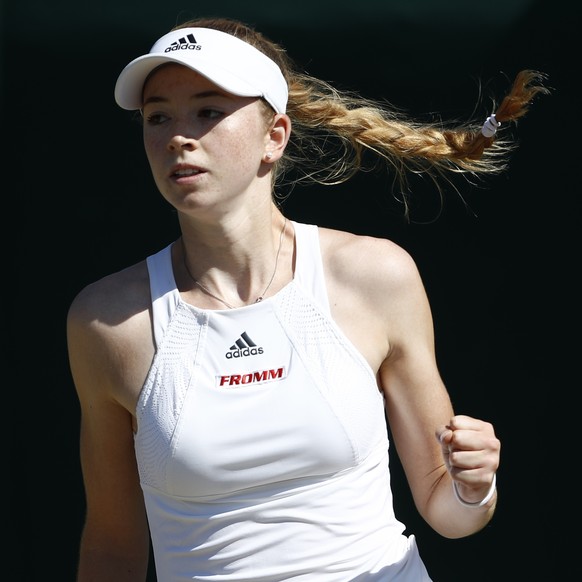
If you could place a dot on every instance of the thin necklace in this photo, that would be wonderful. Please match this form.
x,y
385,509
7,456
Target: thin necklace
x,y
206,290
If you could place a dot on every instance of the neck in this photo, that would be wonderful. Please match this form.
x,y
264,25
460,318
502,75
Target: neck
x,y
234,287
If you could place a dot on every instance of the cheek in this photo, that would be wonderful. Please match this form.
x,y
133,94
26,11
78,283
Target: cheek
x,y
154,149
150,143
242,145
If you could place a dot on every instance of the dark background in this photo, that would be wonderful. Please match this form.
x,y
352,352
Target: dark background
x,y
501,268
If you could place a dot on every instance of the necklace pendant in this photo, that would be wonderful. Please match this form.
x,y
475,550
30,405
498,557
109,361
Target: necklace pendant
x,y
258,299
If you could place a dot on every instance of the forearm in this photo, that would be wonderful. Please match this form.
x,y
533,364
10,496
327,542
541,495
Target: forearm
x,y
453,516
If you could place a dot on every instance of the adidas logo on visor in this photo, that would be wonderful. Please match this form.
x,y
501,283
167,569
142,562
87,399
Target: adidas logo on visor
x,y
184,43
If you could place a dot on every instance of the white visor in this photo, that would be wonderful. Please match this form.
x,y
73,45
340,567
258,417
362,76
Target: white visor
x,y
232,64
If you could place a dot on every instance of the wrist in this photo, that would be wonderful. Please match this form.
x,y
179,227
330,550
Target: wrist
x,y
483,501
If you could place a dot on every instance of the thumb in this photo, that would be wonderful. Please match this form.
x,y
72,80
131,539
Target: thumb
x,y
444,435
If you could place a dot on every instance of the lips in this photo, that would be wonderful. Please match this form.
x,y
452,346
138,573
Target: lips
x,y
185,172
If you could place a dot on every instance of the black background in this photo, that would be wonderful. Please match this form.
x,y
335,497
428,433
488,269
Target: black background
x,y
501,270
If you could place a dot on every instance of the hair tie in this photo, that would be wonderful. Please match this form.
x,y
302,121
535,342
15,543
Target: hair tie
x,y
490,126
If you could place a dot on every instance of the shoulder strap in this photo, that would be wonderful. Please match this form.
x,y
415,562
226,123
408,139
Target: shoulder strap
x,y
309,265
164,293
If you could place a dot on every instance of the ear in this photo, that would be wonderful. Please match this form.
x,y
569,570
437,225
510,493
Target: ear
x,y
277,138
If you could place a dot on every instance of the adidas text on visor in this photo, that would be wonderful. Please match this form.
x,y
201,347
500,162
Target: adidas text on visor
x,y
232,64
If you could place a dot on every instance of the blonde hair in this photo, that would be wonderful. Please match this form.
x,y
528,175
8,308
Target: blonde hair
x,y
334,131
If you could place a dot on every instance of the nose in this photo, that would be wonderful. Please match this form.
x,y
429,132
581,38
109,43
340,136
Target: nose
x,y
181,142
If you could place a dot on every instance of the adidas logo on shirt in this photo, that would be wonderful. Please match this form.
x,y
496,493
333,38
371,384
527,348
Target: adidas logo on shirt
x,y
244,346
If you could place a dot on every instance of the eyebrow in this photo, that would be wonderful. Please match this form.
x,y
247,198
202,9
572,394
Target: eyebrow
x,y
201,95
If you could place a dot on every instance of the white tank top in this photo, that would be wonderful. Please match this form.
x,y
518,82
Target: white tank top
x,y
262,445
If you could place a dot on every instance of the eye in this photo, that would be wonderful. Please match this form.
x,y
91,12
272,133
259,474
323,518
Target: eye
x,y
155,118
209,113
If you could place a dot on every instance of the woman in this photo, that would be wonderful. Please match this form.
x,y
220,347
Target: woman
x,y
234,386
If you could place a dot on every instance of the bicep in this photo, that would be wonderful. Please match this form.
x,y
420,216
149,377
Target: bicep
x,y
115,540
110,476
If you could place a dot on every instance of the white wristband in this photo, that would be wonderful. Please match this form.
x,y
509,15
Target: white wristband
x,y
476,504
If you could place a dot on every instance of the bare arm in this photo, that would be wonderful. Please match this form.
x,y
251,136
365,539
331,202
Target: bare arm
x,y
434,445
115,538
378,299
115,542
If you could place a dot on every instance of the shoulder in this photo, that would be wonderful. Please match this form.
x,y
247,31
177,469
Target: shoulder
x,y
111,315
369,261
375,292
113,298
109,337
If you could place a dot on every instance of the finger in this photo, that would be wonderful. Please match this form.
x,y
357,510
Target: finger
x,y
465,422
482,439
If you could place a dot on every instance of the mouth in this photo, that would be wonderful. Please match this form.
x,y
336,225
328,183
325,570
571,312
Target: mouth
x,y
185,172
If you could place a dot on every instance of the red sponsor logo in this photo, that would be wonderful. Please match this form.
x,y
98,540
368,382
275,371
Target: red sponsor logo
x,y
252,377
